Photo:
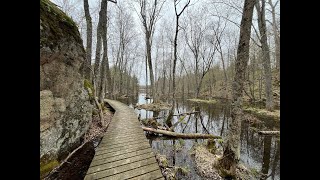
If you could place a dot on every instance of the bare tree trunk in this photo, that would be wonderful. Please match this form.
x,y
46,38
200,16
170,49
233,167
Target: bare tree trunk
x,y
260,86
149,60
253,65
164,82
87,69
149,17
175,56
275,35
147,76
231,154
104,63
265,54
225,74
175,44
196,74
98,49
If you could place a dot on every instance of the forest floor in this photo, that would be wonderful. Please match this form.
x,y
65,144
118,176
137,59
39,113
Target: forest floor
x,y
78,163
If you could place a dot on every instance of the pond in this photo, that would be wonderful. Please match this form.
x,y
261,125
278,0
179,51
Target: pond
x,y
261,153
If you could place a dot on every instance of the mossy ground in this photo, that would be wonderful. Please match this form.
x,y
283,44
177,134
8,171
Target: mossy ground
x,y
211,101
263,113
154,106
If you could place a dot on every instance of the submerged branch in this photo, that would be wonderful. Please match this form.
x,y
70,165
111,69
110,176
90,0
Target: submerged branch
x,y
182,135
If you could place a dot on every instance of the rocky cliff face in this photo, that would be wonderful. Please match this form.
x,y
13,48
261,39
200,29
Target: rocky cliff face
x,y
65,110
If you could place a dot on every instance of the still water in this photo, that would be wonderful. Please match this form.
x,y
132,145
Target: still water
x,y
261,153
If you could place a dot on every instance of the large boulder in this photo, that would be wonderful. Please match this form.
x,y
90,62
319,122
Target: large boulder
x,y
65,110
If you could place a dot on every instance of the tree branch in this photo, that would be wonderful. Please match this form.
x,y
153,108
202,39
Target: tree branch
x,y
113,1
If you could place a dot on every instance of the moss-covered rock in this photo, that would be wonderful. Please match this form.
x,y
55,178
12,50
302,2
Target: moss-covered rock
x,y
56,25
65,109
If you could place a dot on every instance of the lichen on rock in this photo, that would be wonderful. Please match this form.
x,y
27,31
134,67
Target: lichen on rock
x,y
65,110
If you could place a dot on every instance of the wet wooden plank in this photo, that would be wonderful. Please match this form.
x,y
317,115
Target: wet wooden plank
x,y
150,175
124,151
128,174
120,137
123,168
122,146
119,163
126,140
97,160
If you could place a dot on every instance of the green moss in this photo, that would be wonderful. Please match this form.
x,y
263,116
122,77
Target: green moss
x,y
184,170
150,122
163,161
254,171
45,168
211,101
263,113
211,146
88,86
57,23
95,112
182,142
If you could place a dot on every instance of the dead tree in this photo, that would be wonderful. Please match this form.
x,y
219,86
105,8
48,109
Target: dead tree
x,y
231,154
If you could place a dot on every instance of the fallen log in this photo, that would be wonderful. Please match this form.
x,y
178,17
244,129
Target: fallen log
x,y
269,132
182,135
186,113
162,128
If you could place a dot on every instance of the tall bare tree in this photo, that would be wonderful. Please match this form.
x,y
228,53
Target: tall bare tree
x,y
231,154
178,14
218,34
149,14
99,43
276,34
104,62
265,53
87,69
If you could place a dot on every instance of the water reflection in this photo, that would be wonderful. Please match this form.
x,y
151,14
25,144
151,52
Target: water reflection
x,y
259,152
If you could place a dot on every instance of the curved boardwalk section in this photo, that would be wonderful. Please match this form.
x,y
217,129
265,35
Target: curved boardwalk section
x,y
124,152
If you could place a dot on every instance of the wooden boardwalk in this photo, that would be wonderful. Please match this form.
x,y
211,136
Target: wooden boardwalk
x,y
124,152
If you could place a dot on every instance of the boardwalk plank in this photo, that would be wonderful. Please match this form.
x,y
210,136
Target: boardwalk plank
x,y
123,168
135,172
124,151
119,163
